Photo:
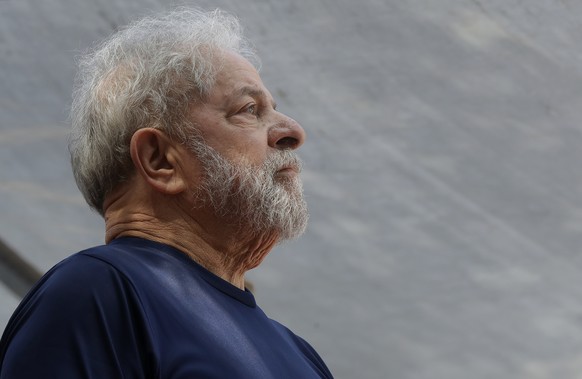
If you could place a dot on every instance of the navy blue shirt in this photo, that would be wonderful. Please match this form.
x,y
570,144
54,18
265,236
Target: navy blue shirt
x,y
139,309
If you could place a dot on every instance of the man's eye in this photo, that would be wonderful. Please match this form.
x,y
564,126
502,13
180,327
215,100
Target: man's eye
x,y
251,109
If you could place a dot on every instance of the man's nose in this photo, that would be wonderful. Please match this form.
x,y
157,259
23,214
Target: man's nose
x,y
287,134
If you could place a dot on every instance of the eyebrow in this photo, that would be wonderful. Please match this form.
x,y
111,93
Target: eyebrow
x,y
254,92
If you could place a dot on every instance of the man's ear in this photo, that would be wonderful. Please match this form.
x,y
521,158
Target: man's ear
x,y
156,159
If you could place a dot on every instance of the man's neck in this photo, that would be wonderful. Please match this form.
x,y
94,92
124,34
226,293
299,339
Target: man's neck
x,y
224,250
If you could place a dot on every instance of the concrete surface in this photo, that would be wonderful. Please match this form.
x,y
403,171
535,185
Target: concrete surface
x,y
442,171
9,301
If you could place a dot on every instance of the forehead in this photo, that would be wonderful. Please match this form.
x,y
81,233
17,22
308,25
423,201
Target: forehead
x,y
236,76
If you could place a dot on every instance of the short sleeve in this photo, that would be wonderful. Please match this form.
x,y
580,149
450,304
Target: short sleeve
x,y
82,320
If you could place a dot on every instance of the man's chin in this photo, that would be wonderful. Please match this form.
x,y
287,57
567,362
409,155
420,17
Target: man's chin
x,y
291,182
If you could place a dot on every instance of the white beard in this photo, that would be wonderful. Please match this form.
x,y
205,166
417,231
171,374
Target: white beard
x,y
253,197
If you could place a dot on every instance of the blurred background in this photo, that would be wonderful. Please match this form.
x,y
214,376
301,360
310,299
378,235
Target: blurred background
x,y
442,172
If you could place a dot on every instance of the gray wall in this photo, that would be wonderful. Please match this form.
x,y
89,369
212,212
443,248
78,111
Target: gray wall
x,y
442,171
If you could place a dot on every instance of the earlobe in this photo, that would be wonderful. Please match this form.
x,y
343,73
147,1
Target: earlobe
x,y
155,159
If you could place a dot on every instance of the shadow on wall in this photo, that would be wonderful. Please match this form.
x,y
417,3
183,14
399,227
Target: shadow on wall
x,y
16,273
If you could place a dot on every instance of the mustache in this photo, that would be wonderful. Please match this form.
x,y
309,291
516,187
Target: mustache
x,y
276,161
281,160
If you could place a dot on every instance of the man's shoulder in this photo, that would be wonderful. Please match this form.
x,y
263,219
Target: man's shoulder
x,y
105,279
117,266
134,258
124,252
83,304
81,274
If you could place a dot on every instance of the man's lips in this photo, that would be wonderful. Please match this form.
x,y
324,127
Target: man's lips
x,y
287,163
289,171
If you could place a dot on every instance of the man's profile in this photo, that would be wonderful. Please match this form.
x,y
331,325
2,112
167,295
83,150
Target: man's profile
x,y
177,143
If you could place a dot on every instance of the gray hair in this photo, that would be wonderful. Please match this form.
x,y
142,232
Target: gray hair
x,y
145,75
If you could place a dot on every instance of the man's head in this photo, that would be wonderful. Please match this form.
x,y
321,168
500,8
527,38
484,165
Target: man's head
x,y
146,75
187,76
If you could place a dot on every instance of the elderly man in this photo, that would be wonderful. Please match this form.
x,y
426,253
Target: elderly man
x,y
178,144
